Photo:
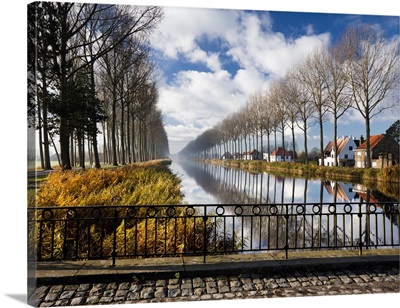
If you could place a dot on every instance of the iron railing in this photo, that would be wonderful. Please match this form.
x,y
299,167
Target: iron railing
x,y
111,232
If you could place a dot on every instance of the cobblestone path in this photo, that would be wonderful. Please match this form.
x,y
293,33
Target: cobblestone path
x,y
382,279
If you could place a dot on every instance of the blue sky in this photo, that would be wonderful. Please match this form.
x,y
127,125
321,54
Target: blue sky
x,y
211,60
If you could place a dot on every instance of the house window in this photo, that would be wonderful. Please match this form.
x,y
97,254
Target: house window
x,y
346,156
350,148
359,153
350,189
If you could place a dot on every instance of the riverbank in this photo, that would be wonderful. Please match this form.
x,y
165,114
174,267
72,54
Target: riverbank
x,y
385,180
388,175
142,183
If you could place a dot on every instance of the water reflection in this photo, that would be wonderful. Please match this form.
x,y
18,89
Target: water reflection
x,y
214,184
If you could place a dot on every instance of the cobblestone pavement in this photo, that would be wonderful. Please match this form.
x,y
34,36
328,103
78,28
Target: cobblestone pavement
x,y
291,283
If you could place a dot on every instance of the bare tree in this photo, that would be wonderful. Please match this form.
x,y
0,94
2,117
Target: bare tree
x,y
372,71
300,97
288,96
331,69
267,121
311,79
118,22
277,97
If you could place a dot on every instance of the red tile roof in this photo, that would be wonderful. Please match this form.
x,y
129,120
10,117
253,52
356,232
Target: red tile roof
x,y
341,143
373,140
279,152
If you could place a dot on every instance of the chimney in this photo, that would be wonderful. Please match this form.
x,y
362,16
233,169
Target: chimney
x,y
361,139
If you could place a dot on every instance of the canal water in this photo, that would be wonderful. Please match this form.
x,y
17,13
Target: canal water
x,y
215,184
218,185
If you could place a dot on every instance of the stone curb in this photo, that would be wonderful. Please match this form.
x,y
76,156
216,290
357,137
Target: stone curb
x,y
121,274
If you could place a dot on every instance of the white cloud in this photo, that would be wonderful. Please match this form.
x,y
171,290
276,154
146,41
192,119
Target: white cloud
x,y
203,98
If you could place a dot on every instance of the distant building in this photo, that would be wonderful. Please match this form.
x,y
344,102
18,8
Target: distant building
x,y
252,155
345,153
377,160
227,155
280,154
341,192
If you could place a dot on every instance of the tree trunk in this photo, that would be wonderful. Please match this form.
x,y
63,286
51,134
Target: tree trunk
x,y
64,129
283,142
321,141
113,128
368,142
294,143
335,139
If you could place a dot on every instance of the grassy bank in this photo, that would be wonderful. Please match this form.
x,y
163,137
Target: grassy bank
x,y
140,184
143,183
360,175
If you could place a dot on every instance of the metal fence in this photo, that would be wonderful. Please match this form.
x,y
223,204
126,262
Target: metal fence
x,y
111,232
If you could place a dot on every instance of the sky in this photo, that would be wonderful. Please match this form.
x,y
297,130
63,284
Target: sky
x,y
210,61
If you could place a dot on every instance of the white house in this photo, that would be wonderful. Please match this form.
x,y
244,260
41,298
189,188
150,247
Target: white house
x,y
279,154
345,154
341,192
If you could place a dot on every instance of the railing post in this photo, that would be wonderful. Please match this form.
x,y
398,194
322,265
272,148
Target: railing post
x,y
204,234
286,232
360,244
114,252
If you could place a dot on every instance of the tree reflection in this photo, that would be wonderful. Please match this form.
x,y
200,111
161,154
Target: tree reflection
x,y
232,187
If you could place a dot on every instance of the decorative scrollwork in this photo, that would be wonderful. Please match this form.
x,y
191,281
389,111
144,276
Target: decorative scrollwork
x,y
238,210
96,213
347,208
316,209
171,211
151,211
256,210
47,214
72,213
332,208
131,212
371,208
273,209
220,210
190,211
300,209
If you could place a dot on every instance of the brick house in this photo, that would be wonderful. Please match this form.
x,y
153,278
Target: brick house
x,y
377,160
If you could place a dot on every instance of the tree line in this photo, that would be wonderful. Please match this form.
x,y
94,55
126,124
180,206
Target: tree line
x,y
360,71
89,71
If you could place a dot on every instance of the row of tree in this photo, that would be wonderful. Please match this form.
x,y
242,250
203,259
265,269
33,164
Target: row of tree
x,y
360,71
89,68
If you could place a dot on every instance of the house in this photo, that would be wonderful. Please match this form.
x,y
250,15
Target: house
x,y
345,153
377,160
341,192
238,155
227,155
280,154
252,155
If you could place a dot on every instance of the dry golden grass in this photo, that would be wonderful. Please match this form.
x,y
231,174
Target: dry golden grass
x,y
142,184
128,185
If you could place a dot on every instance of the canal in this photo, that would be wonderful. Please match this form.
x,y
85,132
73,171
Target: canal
x,y
229,187
214,184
